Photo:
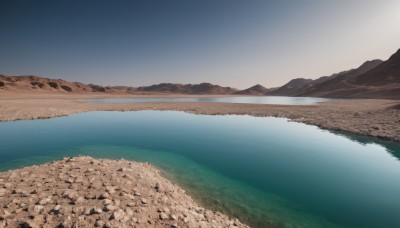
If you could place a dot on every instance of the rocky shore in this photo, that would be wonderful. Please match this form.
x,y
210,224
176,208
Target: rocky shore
x,y
371,117
88,192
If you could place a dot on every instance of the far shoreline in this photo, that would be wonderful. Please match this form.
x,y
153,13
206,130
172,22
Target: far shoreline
x,y
371,117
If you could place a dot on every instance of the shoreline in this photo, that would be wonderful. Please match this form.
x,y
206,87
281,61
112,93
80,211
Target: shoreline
x,y
377,118
84,191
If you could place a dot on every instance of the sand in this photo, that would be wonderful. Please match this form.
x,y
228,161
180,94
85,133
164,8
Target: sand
x,y
372,117
88,192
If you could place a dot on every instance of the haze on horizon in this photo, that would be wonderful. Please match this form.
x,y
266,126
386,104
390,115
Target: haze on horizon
x,y
235,43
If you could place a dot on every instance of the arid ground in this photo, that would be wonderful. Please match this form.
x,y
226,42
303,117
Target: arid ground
x,y
87,192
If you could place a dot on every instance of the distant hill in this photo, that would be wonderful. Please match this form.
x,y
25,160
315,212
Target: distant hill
x,y
309,87
203,88
31,83
36,84
258,90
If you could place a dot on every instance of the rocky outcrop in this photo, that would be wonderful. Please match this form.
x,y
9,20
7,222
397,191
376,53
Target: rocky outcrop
x,y
87,192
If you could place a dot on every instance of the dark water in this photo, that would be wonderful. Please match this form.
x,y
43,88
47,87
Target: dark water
x,y
267,171
248,100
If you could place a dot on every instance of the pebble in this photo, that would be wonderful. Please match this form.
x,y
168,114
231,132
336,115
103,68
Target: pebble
x,y
99,223
104,195
107,202
57,208
110,208
163,216
118,215
96,210
80,200
38,208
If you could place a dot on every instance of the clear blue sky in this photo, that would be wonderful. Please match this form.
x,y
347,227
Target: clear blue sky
x,y
235,43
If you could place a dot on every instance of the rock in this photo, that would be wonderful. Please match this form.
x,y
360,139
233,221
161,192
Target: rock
x,y
3,192
80,200
104,195
70,194
121,169
143,200
163,216
107,202
44,201
173,217
109,208
118,215
38,208
99,223
96,210
90,196
28,224
174,225
110,190
185,220
107,224
57,208
87,211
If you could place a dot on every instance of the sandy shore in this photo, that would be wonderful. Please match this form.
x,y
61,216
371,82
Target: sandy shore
x,y
87,192
369,117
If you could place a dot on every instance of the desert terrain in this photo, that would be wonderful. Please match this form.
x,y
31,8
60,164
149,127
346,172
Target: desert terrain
x,y
88,192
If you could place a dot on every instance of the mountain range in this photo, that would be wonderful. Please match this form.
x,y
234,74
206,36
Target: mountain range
x,y
373,79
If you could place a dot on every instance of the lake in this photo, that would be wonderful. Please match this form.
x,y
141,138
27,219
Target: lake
x,y
245,99
268,172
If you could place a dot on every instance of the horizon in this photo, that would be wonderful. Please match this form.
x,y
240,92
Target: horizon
x,y
229,43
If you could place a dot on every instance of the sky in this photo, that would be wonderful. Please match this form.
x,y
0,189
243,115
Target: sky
x,y
237,43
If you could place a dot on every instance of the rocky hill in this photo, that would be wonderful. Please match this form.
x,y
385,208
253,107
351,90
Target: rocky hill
x,y
203,88
318,87
258,90
36,84
32,83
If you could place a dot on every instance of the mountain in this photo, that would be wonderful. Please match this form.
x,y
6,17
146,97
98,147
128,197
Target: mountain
x,y
254,90
343,84
310,87
387,73
382,81
36,84
203,88
31,83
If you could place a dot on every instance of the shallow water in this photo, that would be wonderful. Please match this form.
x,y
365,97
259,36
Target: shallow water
x,y
266,171
246,99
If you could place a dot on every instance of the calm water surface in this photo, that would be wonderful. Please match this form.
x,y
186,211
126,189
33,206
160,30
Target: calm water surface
x,y
247,99
266,171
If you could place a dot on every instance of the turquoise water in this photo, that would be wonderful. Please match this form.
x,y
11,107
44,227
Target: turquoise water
x,y
268,172
246,99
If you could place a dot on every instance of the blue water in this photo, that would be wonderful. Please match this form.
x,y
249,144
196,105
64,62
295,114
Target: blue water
x,y
247,99
268,172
